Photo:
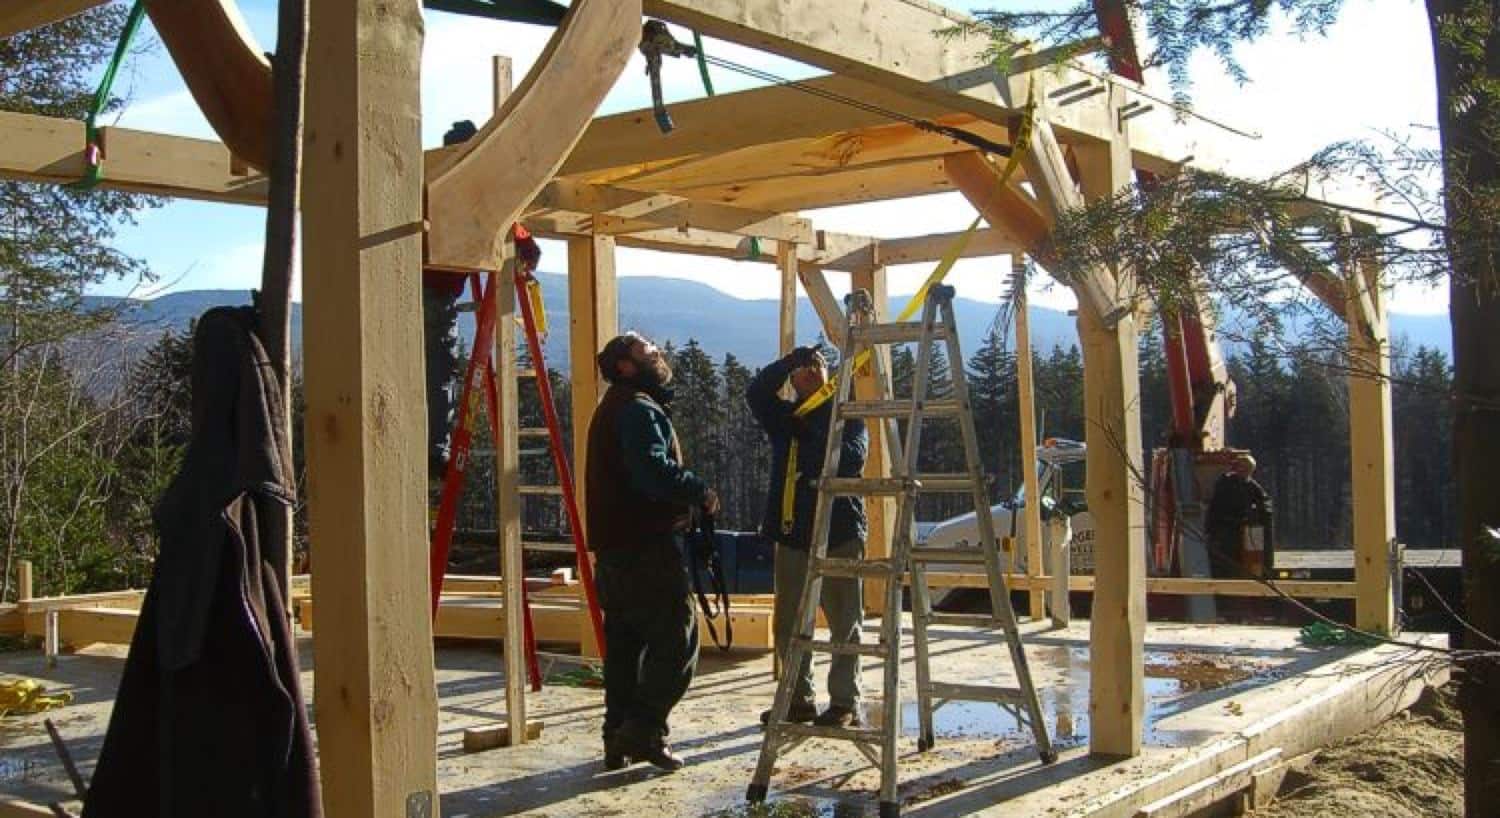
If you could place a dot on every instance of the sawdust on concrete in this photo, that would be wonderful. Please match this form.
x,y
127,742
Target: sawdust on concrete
x,y
1410,766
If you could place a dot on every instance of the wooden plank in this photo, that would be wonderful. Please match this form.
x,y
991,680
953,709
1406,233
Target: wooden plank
x,y
127,599
365,418
47,149
1211,790
476,193
1171,586
786,265
635,210
11,621
16,808
25,585
1026,398
479,739
880,510
508,497
79,627
811,191
22,15
1372,452
225,70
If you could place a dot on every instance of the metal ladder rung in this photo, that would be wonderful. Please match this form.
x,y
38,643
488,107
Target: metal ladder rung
x,y
540,490
976,693
855,569
903,332
862,486
946,483
897,408
856,734
528,372
554,547
533,431
963,556
875,651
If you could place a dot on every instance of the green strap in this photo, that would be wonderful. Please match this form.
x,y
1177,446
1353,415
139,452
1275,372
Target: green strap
x,y
708,84
93,151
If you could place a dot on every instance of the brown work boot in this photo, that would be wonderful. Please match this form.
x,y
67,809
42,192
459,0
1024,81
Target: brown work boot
x,y
798,713
839,716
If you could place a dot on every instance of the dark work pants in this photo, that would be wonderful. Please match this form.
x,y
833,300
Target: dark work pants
x,y
650,634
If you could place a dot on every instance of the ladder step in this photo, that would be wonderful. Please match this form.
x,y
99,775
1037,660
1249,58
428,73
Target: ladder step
x,y
876,651
856,569
964,556
867,735
945,483
544,490
868,485
976,693
970,620
898,408
533,431
904,332
552,547
527,372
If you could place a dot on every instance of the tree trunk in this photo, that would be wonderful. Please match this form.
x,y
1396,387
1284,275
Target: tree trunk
x,y
1467,117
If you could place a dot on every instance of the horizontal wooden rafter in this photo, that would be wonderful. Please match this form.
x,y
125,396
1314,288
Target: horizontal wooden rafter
x,y
47,149
631,211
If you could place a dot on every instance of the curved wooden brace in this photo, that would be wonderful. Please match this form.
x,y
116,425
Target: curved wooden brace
x,y
475,194
224,68
23,15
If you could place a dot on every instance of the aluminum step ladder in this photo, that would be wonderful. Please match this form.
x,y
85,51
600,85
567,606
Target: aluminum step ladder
x,y
863,335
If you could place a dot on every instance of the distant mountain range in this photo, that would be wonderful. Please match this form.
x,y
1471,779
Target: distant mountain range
x,y
676,310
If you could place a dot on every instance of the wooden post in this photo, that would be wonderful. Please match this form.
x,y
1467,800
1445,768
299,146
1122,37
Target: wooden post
x,y
508,500
1371,452
24,587
366,413
500,88
881,511
1026,398
593,315
1116,496
786,262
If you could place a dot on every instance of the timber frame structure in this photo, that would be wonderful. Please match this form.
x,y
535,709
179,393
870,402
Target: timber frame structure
x,y
736,172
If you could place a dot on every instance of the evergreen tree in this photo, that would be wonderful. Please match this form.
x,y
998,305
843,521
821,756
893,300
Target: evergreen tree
x,y
992,390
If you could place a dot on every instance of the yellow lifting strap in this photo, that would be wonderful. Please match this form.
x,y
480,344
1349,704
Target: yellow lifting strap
x,y
950,257
538,309
25,696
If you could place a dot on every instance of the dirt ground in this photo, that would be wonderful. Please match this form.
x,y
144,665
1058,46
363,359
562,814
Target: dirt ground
x,y
1410,766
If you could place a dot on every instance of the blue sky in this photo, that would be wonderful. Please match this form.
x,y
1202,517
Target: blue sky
x,y
1371,74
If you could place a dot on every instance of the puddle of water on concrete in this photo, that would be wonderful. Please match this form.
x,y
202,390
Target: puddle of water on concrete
x,y
1174,680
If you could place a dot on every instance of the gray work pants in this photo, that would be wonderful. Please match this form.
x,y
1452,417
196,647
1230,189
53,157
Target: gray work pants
x,y
843,605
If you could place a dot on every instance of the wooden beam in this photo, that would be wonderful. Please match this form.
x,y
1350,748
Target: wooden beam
x,y
23,15
47,149
786,265
225,70
1117,699
634,210
728,122
1005,207
830,315
1026,399
25,587
1171,586
366,415
880,510
987,241
593,317
1372,454
830,188
1047,170
508,500
475,194
479,739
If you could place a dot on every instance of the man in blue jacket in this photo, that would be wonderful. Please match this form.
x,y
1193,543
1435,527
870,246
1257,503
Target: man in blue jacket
x,y
798,441
640,500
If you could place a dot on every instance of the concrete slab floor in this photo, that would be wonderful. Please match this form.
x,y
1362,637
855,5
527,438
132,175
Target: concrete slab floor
x,y
1210,689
